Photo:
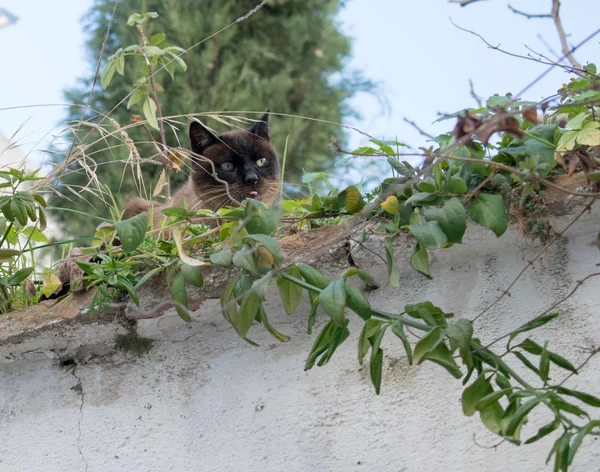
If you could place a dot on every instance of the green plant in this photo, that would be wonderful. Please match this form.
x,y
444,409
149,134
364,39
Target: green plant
x,y
23,223
465,176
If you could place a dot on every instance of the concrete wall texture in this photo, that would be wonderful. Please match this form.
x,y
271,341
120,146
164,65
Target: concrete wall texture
x,y
203,400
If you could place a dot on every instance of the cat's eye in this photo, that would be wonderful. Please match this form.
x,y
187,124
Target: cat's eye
x,y
227,166
261,162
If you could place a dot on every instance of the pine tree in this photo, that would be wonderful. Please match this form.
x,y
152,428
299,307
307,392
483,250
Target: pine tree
x,y
285,56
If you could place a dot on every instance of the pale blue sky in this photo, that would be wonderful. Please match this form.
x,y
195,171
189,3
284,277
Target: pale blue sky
x,y
421,60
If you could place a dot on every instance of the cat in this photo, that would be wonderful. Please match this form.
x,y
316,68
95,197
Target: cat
x,y
244,159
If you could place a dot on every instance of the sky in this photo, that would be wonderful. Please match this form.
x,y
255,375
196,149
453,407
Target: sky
x,y
421,62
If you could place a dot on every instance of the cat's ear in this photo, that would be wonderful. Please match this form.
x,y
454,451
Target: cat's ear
x,y
201,137
261,127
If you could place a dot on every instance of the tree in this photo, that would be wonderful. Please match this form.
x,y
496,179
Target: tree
x,y
284,56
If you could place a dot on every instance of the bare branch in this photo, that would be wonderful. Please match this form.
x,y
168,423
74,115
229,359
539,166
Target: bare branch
x,y
464,3
556,237
476,97
562,35
529,16
420,130
555,16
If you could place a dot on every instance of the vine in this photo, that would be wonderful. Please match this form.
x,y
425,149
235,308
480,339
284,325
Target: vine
x,y
464,176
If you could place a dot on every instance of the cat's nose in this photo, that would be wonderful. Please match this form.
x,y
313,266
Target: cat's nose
x,y
251,178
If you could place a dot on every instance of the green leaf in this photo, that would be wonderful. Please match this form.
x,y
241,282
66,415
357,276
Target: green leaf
x,y
290,293
491,398
427,343
489,210
229,303
139,18
429,235
19,276
442,356
536,323
223,258
120,61
521,415
369,330
544,431
260,218
473,393
428,312
271,330
179,295
561,404
375,369
107,73
19,210
247,313
584,397
425,186
533,348
354,201
131,232
333,301
312,317
149,109
245,259
567,141
34,234
589,135
526,362
313,276
398,330
457,185
587,429
6,253
392,268
420,261
192,275
577,122
451,218
357,302
492,417
158,38
544,365
460,334
137,95
321,344
51,283
270,244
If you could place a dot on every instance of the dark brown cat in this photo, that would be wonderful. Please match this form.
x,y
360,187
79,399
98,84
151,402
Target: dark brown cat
x,y
244,159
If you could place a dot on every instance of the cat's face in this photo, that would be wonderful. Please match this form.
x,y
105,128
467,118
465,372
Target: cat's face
x,y
244,159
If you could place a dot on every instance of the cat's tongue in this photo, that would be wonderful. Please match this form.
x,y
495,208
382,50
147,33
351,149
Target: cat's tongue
x,y
253,194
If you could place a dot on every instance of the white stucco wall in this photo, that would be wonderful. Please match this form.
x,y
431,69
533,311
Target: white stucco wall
x,y
203,400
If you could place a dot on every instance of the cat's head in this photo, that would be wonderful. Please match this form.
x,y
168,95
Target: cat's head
x,y
245,159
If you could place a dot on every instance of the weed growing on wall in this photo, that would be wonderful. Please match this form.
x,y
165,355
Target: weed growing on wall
x,y
493,167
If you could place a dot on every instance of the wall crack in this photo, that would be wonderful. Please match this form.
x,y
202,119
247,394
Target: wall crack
x,y
78,388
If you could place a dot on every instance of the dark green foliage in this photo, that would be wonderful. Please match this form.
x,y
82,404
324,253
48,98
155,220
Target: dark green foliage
x,y
283,57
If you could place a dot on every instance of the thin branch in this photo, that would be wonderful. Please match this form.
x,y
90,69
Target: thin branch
x,y
562,35
167,164
593,351
529,16
556,237
555,16
476,97
499,165
576,70
464,3
420,130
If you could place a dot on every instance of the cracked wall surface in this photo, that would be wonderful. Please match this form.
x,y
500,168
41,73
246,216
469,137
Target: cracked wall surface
x,y
204,400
